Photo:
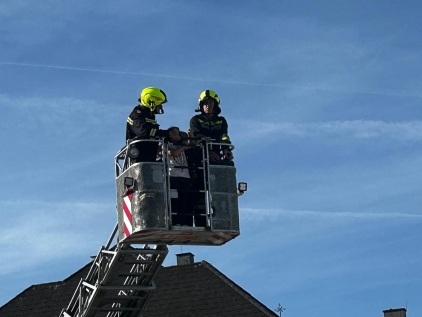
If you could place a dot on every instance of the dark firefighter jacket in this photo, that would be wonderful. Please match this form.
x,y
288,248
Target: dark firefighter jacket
x,y
215,128
141,124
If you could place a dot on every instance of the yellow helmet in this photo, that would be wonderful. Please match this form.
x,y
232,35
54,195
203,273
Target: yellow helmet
x,y
152,97
209,94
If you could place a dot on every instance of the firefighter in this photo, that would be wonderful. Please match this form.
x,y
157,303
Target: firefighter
x,y
141,123
208,124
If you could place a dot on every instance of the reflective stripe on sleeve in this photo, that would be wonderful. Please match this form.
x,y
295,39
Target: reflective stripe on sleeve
x,y
153,132
225,138
130,121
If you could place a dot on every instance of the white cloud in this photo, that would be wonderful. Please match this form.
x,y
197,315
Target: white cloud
x,y
361,129
314,247
62,106
33,23
66,118
44,231
288,228
264,214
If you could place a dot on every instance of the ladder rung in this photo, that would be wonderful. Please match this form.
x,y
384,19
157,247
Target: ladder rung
x,y
117,308
143,251
109,252
89,285
128,287
122,297
134,273
140,262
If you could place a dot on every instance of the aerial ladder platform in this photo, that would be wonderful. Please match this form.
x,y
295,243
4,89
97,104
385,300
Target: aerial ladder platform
x,y
121,277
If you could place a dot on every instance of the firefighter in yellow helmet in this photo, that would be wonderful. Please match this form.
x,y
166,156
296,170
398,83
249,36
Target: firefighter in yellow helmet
x,y
141,123
208,124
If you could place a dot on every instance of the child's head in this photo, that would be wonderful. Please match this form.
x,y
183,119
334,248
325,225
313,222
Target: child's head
x,y
185,137
174,134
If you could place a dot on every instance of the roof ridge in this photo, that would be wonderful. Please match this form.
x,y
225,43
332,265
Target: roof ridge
x,y
239,290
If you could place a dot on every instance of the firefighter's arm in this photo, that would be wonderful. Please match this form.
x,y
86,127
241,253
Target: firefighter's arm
x,y
145,127
140,126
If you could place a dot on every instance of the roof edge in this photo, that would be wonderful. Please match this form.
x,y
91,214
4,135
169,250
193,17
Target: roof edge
x,y
25,290
240,290
44,284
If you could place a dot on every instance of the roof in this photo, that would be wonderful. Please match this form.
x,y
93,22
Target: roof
x,y
46,299
198,289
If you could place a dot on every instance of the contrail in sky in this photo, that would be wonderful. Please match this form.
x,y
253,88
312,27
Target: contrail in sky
x,y
230,82
94,70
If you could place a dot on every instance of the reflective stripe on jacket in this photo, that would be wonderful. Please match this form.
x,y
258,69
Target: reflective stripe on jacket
x,y
141,123
215,128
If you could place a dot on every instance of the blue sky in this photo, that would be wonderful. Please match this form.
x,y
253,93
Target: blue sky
x,y
323,101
